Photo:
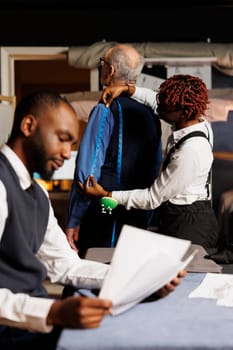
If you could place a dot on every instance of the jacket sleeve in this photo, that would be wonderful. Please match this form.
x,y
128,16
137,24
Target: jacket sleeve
x,y
92,147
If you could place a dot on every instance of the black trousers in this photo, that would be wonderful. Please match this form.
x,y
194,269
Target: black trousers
x,y
18,339
196,222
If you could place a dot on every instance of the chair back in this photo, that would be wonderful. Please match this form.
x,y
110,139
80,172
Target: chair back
x,y
7,108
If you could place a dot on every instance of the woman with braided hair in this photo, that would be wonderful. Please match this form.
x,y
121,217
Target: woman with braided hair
x,y
181,189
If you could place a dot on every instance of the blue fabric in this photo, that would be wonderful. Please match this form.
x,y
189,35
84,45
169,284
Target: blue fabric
x,y
172,323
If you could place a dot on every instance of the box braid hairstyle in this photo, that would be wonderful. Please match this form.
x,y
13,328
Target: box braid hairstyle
x,y
183,92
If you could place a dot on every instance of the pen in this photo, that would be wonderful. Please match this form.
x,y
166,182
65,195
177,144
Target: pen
x,y
87,292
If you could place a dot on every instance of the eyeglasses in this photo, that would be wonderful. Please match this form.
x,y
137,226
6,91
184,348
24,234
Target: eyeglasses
x,y
103,60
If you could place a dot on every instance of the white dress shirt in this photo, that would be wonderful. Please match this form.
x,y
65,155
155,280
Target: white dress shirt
x,y
62,263
184,179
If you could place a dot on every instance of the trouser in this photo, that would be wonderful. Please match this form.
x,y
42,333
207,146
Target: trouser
x,y
196,222
18,339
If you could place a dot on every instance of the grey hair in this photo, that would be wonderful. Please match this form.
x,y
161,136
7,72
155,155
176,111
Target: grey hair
x,y
126,68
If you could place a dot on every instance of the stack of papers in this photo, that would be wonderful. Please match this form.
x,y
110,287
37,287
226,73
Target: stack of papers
x,y
216,286
142,263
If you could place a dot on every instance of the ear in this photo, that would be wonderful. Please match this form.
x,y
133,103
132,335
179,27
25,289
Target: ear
x,y
111,70
28,124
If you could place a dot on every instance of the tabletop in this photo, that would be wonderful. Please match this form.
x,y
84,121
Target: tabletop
x,y
171,323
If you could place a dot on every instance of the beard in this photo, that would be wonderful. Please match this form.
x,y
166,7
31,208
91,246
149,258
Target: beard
x,y
37,155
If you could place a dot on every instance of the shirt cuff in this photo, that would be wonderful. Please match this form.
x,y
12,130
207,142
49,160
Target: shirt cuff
x,y
36,311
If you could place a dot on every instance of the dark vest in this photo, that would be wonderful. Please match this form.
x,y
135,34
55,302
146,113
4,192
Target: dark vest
x,y
141,152
25,227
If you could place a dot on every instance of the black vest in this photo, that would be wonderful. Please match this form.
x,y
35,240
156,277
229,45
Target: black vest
x,y
141,152
25,227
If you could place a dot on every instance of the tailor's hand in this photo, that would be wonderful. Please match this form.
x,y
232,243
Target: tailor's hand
x,y
78,312
170,287
72,234
111,92
92,189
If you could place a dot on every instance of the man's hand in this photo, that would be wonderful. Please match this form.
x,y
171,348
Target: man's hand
x,y
170,287
72,236
78,312
92,189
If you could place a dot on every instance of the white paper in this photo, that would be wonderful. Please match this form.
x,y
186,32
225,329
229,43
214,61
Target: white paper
x,y
142,262
216,286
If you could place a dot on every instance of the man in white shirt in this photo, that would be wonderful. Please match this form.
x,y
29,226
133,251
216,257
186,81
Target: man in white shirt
x,y
32,245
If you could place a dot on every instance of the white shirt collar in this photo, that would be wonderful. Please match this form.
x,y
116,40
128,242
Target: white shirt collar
x,y
178,134
20,169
